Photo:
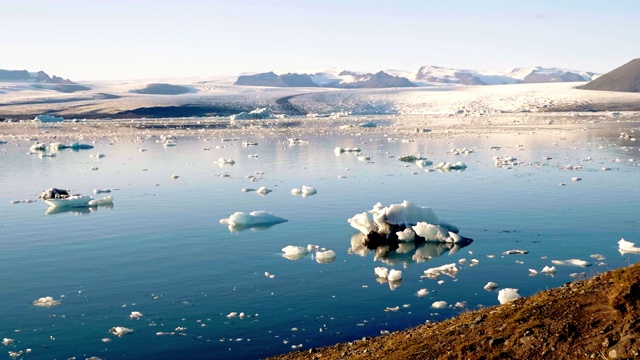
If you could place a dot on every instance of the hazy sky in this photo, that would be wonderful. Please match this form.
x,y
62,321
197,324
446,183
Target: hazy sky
x,y
133,39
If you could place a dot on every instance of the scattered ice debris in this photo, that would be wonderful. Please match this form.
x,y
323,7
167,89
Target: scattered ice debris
x,y
38,147
105,340
533,272
504,161
550,270
625,246
422,292
269,275
508,294
120,331
576,179
515,252
263,190
385,222
339,150
304,191
447,269
391,275
100,191
325,256
293,252
47,301
44,155
135,315
99,155
447,166
7,341
576,262
296,141
394,309
223,161
439,305
257,114
252,219
491,286
463,151
247,143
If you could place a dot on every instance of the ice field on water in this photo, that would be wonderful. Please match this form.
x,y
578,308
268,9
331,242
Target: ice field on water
x,y
162,251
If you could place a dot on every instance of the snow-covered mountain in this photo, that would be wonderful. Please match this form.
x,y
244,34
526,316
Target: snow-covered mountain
x,y
442,75
330,79
40,80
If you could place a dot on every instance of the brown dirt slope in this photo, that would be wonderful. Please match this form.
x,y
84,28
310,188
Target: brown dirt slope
x,y
625,78
595,318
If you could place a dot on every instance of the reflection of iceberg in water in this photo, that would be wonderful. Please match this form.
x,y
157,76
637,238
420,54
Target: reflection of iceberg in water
x,y
51,210
404,252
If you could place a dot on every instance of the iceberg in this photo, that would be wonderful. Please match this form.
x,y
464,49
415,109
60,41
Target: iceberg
x,y
240,220
47,119
388,225
257,114
447,269
625,246
508,294
47,301
327,256
293,252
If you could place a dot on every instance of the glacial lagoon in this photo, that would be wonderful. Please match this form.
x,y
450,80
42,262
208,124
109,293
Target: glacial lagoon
x,y
160,263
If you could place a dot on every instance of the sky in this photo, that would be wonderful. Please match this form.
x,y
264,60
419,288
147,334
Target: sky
x,y
147,39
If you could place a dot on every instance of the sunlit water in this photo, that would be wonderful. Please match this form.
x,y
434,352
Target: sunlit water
x,y
162,251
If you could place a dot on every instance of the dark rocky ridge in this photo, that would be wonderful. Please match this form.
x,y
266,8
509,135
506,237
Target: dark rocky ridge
x,y
162,89
625,78
377,80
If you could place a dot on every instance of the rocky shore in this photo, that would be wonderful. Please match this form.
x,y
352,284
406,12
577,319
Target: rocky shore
x,y
597,318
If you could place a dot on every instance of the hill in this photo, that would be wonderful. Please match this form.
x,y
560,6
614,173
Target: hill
x,y
595,318
342,80
626,78
437,74
162,89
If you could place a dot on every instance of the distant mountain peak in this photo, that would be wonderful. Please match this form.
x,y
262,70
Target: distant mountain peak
x,y
344,79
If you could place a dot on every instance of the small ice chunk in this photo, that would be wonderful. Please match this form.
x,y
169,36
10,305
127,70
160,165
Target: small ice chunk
x,y
325,256
120,331
423,292
515,252
108,200
395,275
135,315
388,309
576,262
508,294
625,246
549,270
47,301
439,305
7,341
263,190
381,272
223,161
447,269
491,286
253,218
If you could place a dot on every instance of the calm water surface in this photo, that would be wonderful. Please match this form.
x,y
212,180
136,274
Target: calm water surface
x,y
161,250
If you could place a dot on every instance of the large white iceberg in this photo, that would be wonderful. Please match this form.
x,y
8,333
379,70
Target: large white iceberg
x,y
393,221
261,113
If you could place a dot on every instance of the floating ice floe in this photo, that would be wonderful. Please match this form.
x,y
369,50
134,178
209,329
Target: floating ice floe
x,y
73,146
625,246
384,224
293,252
491,286
339,150
391,275
439,305
257,114
263,190
422,292
463,151
240,220
549,270
508,294
7,341
304,191
38,147
47,301
223,161
120,331
100,191
576,262
327,256
135,315
447,269
447,166
47,119
296,141
515,252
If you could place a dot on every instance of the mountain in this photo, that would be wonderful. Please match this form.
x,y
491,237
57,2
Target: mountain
x,y
162,89
436,74
39,77
624,78
341,80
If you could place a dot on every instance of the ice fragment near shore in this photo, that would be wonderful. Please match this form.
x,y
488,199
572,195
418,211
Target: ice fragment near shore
x,y
625,246
576,262
508,294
